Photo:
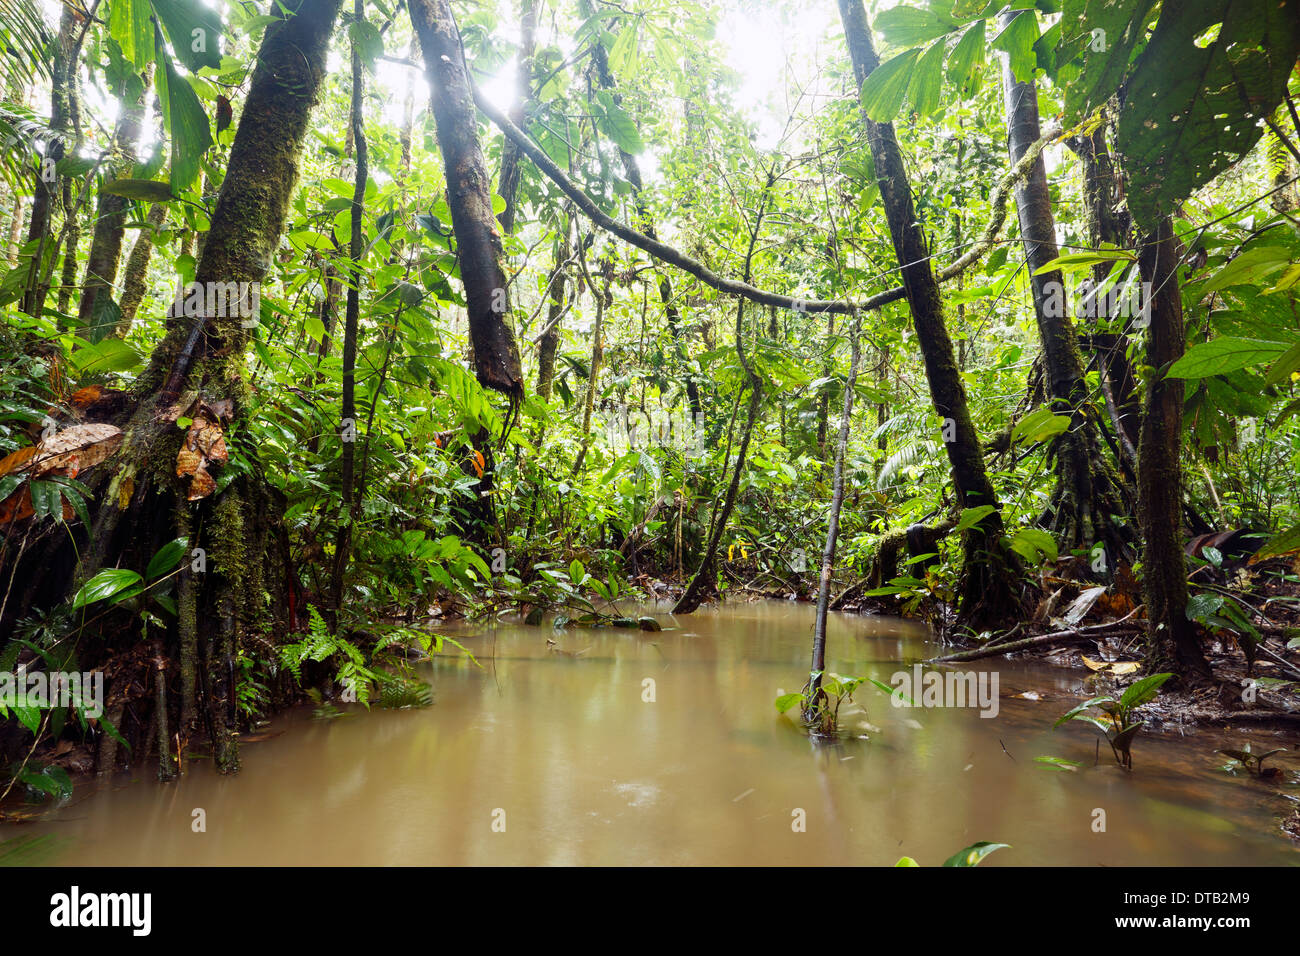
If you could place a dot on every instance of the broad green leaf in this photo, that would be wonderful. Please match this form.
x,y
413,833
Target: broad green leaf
x,y
129,25
1191,110
166,558
1287,542
908,26
621,128
970,517
1017,40
110,355
105,584
1034,545
883,90
187,123
1224,354
924,93
1250,267
1040,425
1100,38
965,63
194,30
1142,691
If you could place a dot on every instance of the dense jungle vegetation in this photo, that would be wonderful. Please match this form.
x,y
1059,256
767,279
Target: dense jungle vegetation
x,y
326,322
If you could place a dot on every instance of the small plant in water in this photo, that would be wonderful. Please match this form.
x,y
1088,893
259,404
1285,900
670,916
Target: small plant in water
x,y
971,856
1253,762
1122,725
821,710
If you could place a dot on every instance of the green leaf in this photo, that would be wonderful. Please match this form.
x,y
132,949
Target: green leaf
x,y
1225,354
1076,261
104,585
1100,38
906,861
1142,691
1039,425
369,41
965,62
786,701
186,122
883,90
1193,109
1250,267
1286,363
621,128
1288,542
110,355
128,23
970,517
1017,39
166,558
925,90
1034,545
194,30
1074,712
973,854
103,317
577,573
908,26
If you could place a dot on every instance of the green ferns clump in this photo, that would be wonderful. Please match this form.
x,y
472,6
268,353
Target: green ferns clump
x,y
356,673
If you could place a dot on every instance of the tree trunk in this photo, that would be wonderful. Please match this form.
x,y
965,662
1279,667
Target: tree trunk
x,y
816,710
47,185
348,506
242,531
1084,503
988,593
1171,638
549,342
110,218
508,183
478,242
136,275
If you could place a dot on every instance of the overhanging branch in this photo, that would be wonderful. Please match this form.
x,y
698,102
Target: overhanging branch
x,y
666,253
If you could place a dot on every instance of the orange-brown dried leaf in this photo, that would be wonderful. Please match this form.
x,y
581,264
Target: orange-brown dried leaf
x,y
201,485
84,397
17,506
16,460
188,462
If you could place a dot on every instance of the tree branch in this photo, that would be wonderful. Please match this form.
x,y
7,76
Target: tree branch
x,y
666,253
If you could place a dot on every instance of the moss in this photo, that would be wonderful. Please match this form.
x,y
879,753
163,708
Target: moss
x,y
228,546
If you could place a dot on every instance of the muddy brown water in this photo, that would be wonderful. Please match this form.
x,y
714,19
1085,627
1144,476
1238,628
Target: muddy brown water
x,y
553,754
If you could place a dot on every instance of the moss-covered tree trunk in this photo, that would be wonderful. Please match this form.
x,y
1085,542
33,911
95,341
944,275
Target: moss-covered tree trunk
x,y
988,594
1109,222
1086,503
478,241
197,372
135,276
1171,638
